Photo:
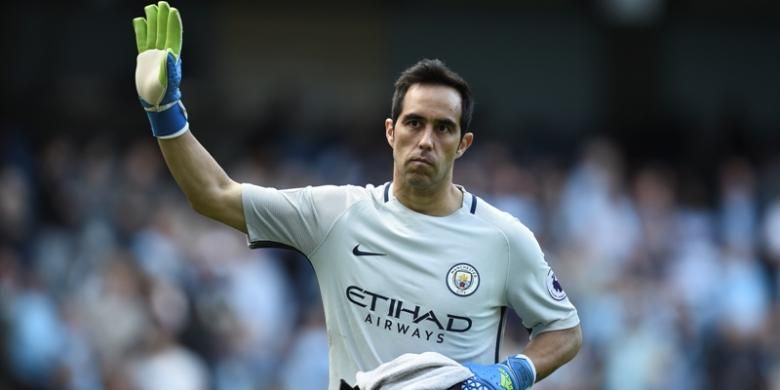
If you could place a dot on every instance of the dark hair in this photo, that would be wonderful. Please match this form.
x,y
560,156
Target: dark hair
x,y
433,72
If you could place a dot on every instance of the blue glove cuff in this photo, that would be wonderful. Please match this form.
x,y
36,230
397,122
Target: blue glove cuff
x,y
523,369
168,121
514,373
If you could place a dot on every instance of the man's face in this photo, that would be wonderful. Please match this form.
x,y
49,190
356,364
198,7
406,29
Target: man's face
x,y
426,138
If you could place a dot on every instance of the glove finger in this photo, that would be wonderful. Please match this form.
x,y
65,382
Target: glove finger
x,y
174,35
151,26
139,25
162,24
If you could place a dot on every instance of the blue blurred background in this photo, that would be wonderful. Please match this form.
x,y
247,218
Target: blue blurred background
x,y
639,139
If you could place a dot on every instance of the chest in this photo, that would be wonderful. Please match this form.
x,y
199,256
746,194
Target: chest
x,y
416,269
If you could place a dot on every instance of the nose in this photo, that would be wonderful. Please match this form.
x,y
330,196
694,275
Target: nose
x,y
426,138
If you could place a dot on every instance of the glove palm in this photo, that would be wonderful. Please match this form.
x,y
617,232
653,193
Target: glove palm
x,y
158,38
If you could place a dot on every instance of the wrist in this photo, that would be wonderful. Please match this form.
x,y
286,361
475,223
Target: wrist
x,y
167,121
523,369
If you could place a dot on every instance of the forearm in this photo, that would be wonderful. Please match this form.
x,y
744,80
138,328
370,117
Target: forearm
x,y
202,179
194,169
551,350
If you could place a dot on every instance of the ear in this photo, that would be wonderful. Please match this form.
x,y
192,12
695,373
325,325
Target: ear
x,y
465,144
389,131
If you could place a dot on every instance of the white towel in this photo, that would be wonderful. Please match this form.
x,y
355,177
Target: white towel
x,y
425,371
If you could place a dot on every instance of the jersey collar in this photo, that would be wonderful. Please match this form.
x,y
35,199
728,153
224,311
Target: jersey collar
x,y
469,199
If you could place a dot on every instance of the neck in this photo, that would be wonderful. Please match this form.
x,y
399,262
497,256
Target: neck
x,y
436,201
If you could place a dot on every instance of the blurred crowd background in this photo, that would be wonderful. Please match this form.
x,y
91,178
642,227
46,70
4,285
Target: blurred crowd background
x,y
639,140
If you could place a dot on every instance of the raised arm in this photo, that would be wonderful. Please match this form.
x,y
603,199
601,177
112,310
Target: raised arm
x,y
157,76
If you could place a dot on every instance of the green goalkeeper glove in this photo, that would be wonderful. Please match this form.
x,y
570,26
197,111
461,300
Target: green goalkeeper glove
x,y
158,69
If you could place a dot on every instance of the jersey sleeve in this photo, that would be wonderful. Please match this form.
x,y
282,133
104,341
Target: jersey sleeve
x,y
533,290
299,218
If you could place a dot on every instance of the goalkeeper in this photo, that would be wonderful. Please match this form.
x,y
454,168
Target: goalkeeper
x,y
415,265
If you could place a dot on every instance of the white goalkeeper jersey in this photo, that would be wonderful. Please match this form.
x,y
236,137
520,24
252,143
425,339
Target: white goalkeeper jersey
x,y
395,281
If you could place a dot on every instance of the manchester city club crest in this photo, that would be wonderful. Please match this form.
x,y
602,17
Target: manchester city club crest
x,y
554,287
462,279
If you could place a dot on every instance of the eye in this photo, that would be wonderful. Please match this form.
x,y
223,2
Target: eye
x,y
444,127
414,123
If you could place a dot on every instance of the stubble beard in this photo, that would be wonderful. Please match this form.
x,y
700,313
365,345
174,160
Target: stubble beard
x,y
423,181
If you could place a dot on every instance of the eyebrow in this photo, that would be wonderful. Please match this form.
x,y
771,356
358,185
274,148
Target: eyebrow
x,y
419,117
413,116
446,121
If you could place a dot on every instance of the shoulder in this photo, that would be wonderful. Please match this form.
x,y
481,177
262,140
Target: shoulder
x,y
321,190
345,193
502,220
517,234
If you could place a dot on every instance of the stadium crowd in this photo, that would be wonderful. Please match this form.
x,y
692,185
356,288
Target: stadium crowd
x,y
109,280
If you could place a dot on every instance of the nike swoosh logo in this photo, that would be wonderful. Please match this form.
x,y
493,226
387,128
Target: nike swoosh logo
x,y
357,252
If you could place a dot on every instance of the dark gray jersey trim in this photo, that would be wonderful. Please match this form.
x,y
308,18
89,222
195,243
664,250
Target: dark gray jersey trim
x,y
501,323
473,203
275,245
387,191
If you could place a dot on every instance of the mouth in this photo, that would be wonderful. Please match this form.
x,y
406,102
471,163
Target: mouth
x,y
421,160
